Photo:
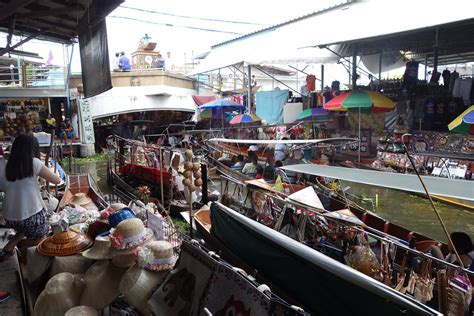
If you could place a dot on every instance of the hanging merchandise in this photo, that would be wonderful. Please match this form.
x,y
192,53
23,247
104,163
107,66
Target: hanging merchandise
x,y
311,82
410,77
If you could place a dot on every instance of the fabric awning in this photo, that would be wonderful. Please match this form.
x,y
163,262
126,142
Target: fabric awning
x,y
460,189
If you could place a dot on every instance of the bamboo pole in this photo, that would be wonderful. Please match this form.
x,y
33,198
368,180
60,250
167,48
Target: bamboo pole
x,y
445,229
161,179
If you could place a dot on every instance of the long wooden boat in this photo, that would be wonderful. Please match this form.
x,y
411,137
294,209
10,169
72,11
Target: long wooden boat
x,y
323,285
82,184
448,200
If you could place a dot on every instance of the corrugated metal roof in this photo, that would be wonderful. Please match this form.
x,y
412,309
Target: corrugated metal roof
x,y
297,19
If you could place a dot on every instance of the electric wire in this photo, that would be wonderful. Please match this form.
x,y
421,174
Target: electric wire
x,y
174,25
192,17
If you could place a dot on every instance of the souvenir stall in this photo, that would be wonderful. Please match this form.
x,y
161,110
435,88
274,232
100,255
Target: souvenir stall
x,y
130,260
22,115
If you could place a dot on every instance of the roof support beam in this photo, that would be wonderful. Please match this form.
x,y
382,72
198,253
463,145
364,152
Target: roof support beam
x,y
52,12
12,7
8,49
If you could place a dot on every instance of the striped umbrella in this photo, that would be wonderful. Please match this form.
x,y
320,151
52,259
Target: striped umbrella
x,y
244,118
464,123
365,101
313,113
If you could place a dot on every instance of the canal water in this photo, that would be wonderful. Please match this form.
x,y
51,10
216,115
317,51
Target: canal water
x,y
413,212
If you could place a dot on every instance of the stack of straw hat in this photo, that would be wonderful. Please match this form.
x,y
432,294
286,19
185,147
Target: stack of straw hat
x,y
82,311
136,286
102,284
61,293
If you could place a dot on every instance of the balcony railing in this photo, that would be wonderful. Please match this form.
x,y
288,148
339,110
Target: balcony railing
x,y
30,76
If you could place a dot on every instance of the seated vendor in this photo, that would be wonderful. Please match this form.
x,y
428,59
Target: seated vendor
x,y
250,168
67,131
239,164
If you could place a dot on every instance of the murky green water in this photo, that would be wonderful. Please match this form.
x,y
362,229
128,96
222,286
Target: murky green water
x,y
414,212
410,211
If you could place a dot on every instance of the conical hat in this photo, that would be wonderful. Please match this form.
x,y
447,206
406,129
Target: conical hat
x,y
136,285
102,284
72,264
307,196
82,311
64,244
80,199
60,294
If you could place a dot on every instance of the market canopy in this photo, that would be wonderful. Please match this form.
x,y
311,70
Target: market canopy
x,y
365,26
460,189
373,26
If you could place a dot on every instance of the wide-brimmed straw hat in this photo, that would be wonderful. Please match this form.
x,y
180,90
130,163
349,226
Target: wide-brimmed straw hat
x,y
102,284
156,256
60,294
80,199
136,285
100,250
130,233
119,216
72,264
82,311
64,244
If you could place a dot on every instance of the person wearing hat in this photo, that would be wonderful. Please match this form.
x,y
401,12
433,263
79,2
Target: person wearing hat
x,y
23,207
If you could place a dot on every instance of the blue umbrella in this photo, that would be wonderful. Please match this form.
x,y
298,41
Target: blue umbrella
x,y
221,103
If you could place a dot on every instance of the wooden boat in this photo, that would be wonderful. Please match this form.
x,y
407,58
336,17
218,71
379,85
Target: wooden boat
x,y
448,200
82,184
321,284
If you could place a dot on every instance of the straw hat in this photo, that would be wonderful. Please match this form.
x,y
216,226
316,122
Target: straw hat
x,y
72,264
117,217
130,233
80,199
102,284
82,311
124,258
157,256
100,250
59,295
136,285
64,244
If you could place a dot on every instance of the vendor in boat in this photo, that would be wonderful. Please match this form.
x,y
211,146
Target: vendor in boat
x,y
280,151
463,244
250,168
239,164
23,208
269,170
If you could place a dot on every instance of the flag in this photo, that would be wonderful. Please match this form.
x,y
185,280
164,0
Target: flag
x,y
278,185
49,62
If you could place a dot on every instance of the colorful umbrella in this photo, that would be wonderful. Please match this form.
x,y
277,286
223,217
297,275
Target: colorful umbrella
x,y
464,123
244,118
366,101
222,103
313,113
